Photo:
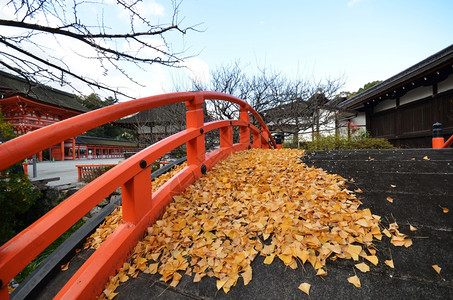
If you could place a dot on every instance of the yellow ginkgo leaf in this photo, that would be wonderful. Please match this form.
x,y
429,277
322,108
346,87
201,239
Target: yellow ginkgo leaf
x,y
305,287
412,228
65,266
425,158
445,210
363,267
354,280
269,259
372,259
389,263
437,268
321,272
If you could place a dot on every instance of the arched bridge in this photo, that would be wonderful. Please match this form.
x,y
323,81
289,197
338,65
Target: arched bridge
x,y
140,206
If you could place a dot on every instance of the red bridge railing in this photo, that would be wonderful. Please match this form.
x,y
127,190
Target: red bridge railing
x,y
141,207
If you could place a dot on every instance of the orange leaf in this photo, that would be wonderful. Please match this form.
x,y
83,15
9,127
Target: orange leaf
x,y
445,210
412,228
390,199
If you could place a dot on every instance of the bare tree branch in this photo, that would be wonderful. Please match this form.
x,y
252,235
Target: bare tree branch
x,y
57,19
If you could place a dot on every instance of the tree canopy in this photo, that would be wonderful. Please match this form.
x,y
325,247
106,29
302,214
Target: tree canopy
x,y
45,40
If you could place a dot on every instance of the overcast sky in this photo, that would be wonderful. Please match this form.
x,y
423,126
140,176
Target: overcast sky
x,y
362,40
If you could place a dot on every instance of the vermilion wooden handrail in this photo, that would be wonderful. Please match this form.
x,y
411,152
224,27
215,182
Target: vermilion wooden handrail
x,y
140,206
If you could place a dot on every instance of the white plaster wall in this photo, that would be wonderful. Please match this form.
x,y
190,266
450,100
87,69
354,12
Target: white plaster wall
x,y
445,85
416,94
385,105
360,119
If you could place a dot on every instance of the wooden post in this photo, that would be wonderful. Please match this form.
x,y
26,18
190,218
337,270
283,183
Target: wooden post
x,y
137,195
244,131
195,119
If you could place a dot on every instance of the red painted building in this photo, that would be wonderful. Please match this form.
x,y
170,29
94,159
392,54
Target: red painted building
x,y
32,106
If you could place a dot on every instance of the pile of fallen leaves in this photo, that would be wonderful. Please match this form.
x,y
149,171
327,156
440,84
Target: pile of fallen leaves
x,y
115,218
257,202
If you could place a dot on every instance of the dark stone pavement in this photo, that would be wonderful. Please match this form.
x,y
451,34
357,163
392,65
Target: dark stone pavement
x,y
422,188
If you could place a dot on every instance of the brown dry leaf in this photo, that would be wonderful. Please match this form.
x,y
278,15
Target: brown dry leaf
x,y
65,266
363,267
437,268
305,287
390,199
389,263
355,281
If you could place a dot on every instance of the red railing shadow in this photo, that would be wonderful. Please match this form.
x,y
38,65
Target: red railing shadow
x,y
141,207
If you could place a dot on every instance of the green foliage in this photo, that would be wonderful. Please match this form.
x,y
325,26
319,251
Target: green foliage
x,y
17,196
360,141
6,129
364,88
98,172
109,130
93,101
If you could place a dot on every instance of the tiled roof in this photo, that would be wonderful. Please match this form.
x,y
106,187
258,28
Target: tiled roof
x,y
11,85
436,60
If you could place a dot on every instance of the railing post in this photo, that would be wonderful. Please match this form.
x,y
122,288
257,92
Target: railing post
x,y
137,195
256,139
265,145
195,119
438,137
226,136
244,131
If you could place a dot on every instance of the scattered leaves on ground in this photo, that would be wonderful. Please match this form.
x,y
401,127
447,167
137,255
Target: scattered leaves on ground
x,y
256,202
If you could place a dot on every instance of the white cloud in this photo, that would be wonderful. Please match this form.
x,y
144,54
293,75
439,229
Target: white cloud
x,y
198,70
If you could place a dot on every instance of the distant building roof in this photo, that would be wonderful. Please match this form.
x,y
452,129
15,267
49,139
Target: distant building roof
x,y
11,85
440,63
91,140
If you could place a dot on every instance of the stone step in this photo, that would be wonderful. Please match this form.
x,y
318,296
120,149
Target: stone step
x,y
412,278
399,166
384,154
419,210
409,183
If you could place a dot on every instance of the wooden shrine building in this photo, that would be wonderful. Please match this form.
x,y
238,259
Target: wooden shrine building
x,y
29,106
404,107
